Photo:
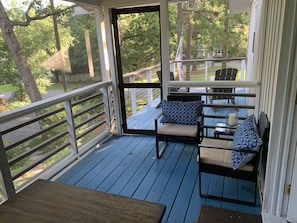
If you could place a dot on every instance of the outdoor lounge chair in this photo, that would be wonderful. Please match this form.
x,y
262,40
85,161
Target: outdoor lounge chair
x,y
172,89
181,120
236,159
224,74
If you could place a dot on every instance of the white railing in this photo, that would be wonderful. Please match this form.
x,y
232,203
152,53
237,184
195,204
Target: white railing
x,y
44,137
41,139
204,70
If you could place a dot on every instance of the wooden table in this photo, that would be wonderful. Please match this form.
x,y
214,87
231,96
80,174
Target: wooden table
x,y
46,201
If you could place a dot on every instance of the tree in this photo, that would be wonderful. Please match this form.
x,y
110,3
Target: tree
x,y
16,52
140,40
35,12
80,24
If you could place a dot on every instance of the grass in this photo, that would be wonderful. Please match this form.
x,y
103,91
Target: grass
x,y
70,85
7,88
55,86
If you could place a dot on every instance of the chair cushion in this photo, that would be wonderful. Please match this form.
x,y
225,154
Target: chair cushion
x,y
179,112
178,130
219,157
245,137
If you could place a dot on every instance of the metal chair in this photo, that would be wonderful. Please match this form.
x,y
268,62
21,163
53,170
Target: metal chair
x,y
189,133
214,157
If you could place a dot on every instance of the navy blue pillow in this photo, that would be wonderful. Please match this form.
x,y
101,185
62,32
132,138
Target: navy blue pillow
x,y
245,137
180,112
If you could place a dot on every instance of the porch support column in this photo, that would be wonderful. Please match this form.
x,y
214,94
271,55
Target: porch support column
x,y
165,46
104,61
6,183
105,45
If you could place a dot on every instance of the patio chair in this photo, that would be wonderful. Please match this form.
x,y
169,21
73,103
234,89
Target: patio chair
x,y
181,120
224,74
179,90
237,159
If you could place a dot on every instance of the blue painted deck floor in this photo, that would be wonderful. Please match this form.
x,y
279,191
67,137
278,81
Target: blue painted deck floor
x,y
127,166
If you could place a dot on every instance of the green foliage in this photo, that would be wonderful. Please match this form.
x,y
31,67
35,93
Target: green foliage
x,y
22,163
37,42
80,25
140,40
216,31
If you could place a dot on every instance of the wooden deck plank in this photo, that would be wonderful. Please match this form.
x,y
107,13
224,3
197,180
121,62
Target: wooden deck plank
x,y
231,188
186,191
124,164
129,172
169,196
127,166
137,178
89,162
195,202
94,177
157,169
165,174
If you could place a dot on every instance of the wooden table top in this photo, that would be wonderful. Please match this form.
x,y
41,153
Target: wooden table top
x,y
46,201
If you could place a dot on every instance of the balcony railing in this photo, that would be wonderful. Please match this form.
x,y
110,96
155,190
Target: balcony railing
x,y
43,138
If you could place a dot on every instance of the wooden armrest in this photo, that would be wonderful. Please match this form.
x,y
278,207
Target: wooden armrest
x,y
227,148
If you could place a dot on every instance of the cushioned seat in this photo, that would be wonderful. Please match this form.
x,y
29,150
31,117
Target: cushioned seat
x,y
178,130
236,159
181,120
219,157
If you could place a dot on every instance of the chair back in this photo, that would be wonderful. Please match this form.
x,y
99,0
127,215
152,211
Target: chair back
x,y
159,74
184,97
264,128
226,74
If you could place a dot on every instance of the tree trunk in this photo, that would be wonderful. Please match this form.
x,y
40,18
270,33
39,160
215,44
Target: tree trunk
x,y
179,21
225,47
20,61
189,39
58,45
195,50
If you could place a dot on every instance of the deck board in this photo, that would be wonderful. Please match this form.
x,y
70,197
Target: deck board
x,y
127,166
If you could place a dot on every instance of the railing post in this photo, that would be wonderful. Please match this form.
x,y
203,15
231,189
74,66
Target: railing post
x,y
133,96
149,90
206,70
71,126
107,109
6,183
242,69
172,67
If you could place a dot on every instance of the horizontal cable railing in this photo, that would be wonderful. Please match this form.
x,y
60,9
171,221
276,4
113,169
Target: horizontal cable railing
x,y
46,136
242,101
42,138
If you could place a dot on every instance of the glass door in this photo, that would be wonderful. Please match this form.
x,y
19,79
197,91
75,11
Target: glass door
x,y
137,46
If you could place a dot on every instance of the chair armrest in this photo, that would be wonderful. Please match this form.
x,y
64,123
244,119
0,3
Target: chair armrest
x,y
227,148
156,121
200,119
158,116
